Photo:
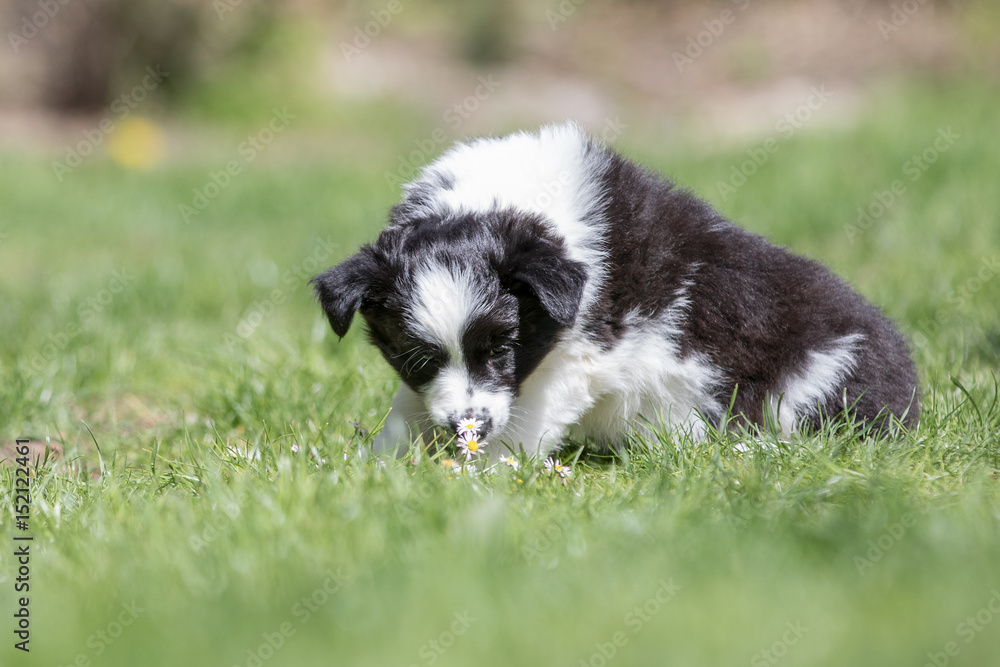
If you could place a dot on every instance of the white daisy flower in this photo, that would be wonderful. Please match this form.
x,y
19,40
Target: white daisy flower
x,y
554,466
510,461
469,427
471,446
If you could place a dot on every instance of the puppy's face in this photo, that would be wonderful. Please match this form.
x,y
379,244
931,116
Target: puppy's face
x,y
463,307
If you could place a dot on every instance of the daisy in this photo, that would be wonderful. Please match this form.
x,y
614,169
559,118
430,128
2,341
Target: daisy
x,y
510,461
471,446
469,427
554,466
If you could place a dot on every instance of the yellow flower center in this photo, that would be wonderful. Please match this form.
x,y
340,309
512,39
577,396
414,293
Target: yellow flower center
x,y
472,445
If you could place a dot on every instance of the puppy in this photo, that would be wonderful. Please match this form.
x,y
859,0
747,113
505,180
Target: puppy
x,y
546,287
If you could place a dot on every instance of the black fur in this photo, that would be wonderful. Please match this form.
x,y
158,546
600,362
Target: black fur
x,y
756,310
524,270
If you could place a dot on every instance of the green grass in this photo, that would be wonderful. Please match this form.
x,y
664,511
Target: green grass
x,y
881,549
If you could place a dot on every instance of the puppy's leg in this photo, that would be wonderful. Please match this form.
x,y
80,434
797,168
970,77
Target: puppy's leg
x,y
403,425
541,415
539,438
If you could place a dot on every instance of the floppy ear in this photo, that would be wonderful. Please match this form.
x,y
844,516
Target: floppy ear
x,y
556,280
341,289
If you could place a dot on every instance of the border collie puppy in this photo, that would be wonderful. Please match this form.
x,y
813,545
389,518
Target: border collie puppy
x,y
547,287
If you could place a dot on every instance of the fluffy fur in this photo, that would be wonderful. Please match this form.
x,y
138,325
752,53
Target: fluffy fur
x,y
547,286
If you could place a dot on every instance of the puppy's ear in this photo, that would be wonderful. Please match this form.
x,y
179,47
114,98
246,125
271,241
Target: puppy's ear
x,y
556,280
342,289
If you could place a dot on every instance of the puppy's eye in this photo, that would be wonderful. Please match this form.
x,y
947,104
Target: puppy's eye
x,y
418,360
500,350
432,357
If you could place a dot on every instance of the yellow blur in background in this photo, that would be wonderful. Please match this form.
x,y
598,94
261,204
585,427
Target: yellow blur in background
x,y
137,143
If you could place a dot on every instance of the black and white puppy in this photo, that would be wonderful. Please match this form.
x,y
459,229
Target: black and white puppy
x,y
548,287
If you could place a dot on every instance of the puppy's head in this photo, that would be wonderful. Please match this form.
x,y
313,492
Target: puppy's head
x,y
464,306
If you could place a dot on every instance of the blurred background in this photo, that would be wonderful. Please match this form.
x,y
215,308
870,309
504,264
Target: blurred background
x,y
172,172
366,78
213,142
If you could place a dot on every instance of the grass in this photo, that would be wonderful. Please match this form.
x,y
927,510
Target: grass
x,y
679,552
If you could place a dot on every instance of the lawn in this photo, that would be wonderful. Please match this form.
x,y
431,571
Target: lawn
x,y
208,507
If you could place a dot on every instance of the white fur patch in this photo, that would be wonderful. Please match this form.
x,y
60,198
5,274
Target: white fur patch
x,y
452,393
587,392
549,173
445,301
822,374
